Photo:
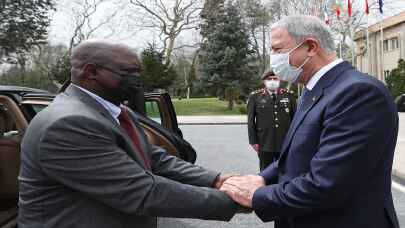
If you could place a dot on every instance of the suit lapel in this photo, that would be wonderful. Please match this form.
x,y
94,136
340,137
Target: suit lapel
x,y
312,98
91,102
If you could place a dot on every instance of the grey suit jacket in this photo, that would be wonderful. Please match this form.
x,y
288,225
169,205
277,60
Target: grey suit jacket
x,y
80,169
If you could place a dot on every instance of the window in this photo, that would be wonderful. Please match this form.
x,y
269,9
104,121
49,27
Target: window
x,y
38,107
394,43
153,111
385,46
391,44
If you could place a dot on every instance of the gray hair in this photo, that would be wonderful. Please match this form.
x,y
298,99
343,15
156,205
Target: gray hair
x,y
304,26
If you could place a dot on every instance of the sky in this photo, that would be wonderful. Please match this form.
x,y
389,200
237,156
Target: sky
x,y
62,23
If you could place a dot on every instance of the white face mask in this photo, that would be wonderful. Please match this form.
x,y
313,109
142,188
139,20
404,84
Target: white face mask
x,y
280,63
272,84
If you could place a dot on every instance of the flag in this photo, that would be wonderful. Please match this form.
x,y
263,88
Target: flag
x,y
349,8
367,9
338,7
381,4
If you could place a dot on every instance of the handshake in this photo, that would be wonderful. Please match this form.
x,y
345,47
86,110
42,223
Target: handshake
x,y
240,188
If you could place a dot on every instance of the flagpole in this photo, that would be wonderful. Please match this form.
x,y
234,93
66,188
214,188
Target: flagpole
x,y
352,46
381,3
367,48
340,47
382,50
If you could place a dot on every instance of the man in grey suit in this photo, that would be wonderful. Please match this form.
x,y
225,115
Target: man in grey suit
x,y
85,161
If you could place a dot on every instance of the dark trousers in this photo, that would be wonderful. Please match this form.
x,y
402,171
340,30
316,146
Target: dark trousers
x,y
266,158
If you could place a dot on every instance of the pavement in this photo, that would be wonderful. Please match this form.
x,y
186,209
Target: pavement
x,y
398,168
212,120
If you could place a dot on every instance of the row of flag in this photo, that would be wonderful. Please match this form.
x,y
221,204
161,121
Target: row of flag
x,y
339,8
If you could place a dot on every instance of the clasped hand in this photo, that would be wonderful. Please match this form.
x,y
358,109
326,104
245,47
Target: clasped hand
x,y
242,188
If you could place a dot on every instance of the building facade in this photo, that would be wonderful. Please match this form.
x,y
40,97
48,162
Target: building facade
x,y
381,57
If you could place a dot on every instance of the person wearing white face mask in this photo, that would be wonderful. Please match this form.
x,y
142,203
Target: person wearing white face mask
x,y
270,111
335,165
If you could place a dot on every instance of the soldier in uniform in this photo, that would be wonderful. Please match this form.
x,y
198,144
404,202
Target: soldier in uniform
x,y
270,111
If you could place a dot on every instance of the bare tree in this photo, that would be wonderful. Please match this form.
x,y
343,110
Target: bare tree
x,y
280,8
45,58
170,18
343,27
86,24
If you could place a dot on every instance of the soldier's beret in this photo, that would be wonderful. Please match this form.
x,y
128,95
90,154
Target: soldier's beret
x,y
268,72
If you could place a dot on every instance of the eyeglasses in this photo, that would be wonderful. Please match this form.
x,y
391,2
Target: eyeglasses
x,y
134,74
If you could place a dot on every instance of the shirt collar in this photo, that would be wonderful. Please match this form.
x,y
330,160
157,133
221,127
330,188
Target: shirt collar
x,y
312,82
113,109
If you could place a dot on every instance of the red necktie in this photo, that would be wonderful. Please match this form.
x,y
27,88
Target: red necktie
x,y
129,127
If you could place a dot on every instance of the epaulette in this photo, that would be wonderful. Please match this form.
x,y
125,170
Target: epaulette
x,y
282,91
257,91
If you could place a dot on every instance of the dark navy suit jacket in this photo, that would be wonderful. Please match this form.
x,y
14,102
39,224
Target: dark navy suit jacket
x,y
335,167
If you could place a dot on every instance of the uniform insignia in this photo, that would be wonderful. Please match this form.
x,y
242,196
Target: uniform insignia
x,y
256,91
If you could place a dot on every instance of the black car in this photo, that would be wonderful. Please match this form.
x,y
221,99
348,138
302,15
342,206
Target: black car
x,y
18,105
400,101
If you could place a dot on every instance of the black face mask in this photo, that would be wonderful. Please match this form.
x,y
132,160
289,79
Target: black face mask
x,y
129,85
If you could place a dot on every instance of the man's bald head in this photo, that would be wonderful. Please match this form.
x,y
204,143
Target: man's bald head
x,y
101,53
112,71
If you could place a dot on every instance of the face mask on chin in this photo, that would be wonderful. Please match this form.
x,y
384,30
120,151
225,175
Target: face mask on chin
x,y
272,84
280,63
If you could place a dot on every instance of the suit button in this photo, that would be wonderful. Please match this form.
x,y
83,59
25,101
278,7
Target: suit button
x,y
276,125
275,106
275,113
276,119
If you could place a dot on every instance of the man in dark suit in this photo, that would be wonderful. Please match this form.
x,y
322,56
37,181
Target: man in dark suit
x,y
85,160
270,111
336,161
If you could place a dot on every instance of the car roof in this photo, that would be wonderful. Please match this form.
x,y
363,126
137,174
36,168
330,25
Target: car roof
x,y
19,89
18,92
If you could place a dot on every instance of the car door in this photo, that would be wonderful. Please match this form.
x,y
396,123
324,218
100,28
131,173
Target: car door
x,y
12,127
160,119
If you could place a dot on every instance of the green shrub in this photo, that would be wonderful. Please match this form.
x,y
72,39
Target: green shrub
x,y
243,110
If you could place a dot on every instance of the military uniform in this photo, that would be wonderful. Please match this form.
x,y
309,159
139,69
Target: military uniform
x,y
268,122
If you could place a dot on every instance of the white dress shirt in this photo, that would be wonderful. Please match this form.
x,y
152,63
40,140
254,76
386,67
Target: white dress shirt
x,y
312,82
113,109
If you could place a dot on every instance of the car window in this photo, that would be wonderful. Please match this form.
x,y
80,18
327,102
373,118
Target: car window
x,y
38,107
153,111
